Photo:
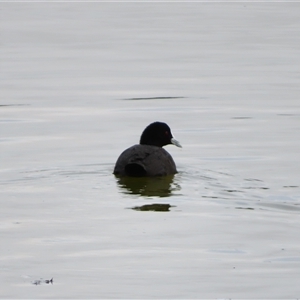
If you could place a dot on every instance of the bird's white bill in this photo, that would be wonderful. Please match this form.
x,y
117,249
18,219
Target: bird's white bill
x,y
175,142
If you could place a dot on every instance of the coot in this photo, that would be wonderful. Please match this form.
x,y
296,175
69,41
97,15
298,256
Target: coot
x,y
148,158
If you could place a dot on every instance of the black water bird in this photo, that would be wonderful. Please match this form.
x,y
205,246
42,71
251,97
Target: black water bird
x,y
148,158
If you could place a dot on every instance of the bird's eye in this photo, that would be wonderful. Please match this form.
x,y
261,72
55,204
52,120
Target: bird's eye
x,y
166,133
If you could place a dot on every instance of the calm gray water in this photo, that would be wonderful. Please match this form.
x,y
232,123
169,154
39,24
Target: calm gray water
x,y
79,83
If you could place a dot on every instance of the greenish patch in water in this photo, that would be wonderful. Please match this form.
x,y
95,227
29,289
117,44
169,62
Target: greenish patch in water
x,y
241,118
153,207
154,98
4,105
248,208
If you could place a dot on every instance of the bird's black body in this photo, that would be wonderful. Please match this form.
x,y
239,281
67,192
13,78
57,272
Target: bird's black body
x,y
148,158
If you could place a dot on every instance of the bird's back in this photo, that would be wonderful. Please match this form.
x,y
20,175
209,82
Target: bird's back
x,y
145,160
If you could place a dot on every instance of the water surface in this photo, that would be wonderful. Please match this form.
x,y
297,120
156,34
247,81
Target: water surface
x,y
79,83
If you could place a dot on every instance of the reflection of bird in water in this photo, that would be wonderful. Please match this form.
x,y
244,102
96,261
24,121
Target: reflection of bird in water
x,y
149,158
148,186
